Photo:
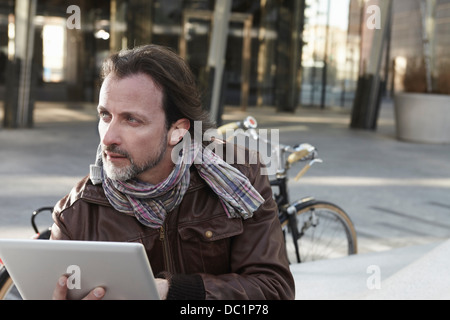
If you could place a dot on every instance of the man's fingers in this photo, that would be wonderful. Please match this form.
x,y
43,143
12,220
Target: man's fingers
x,y
163,288
96,294
60,292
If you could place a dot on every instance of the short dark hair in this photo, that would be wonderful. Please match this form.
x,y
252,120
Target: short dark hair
x,y
181,97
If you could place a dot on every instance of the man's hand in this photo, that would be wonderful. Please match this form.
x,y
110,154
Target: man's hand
x,y
60,292
162,285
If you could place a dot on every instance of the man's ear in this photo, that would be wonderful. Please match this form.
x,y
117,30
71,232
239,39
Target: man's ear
x,y
178,130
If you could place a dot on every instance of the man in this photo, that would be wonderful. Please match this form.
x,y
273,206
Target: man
x,y
210,228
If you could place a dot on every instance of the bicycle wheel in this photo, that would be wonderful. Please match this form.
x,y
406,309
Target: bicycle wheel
x,y
8,290
325,231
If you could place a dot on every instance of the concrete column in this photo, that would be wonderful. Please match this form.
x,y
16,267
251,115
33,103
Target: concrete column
x,y
18,101
289,54
118,40
131,23
216,57
368,93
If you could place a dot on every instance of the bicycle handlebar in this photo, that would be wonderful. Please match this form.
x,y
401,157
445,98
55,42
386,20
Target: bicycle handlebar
x,y
300,152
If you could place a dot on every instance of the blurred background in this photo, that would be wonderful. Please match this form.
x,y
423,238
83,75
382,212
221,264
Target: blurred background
x,y
350,54
367,82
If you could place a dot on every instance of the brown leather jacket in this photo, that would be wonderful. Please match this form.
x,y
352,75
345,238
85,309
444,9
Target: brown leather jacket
x,y
202,252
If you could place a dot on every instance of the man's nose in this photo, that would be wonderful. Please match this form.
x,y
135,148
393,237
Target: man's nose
x,y
110,134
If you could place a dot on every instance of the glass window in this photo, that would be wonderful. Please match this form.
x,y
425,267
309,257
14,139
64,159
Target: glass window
x,y
53,38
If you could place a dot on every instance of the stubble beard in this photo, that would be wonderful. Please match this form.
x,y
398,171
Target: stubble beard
x,y
134,169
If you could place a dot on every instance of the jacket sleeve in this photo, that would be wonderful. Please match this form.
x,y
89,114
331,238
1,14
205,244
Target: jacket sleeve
x,y
259,265
59,230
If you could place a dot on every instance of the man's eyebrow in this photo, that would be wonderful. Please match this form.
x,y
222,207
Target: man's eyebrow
x,y
133,113
101,108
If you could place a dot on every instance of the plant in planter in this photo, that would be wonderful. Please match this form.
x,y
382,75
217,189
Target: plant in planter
x,y
422,111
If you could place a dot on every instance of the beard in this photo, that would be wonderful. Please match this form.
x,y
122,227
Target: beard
x,y
134,169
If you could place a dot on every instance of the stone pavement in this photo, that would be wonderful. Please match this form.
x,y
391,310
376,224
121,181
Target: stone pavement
x,y
396,193
40,165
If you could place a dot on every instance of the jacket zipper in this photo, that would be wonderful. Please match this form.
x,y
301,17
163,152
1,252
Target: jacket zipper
x,y
166,249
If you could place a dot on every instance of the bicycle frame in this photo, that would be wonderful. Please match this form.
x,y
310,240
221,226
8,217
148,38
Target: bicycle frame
x,y
282,201
286,210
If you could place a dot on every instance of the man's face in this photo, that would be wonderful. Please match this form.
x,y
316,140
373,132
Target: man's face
x,y
133,130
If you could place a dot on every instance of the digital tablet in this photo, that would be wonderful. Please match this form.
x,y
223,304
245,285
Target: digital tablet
x,y
122,268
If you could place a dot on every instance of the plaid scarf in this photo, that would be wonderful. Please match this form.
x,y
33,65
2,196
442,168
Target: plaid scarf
x,y
151,203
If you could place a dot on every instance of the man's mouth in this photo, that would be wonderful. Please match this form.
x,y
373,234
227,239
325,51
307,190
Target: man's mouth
x,y
114,156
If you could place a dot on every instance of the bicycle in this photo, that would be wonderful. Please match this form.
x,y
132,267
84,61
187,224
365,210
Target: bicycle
x,y
313,229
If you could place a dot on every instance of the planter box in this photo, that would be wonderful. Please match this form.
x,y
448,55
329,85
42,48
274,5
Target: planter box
x,y
423,118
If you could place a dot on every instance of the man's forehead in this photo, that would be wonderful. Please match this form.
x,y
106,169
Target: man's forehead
x,y
131,88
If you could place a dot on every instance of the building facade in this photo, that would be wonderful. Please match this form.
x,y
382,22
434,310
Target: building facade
x,y
66,53
279,53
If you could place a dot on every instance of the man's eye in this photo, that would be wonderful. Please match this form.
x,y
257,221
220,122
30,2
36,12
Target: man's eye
x,y
134,121
103,115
